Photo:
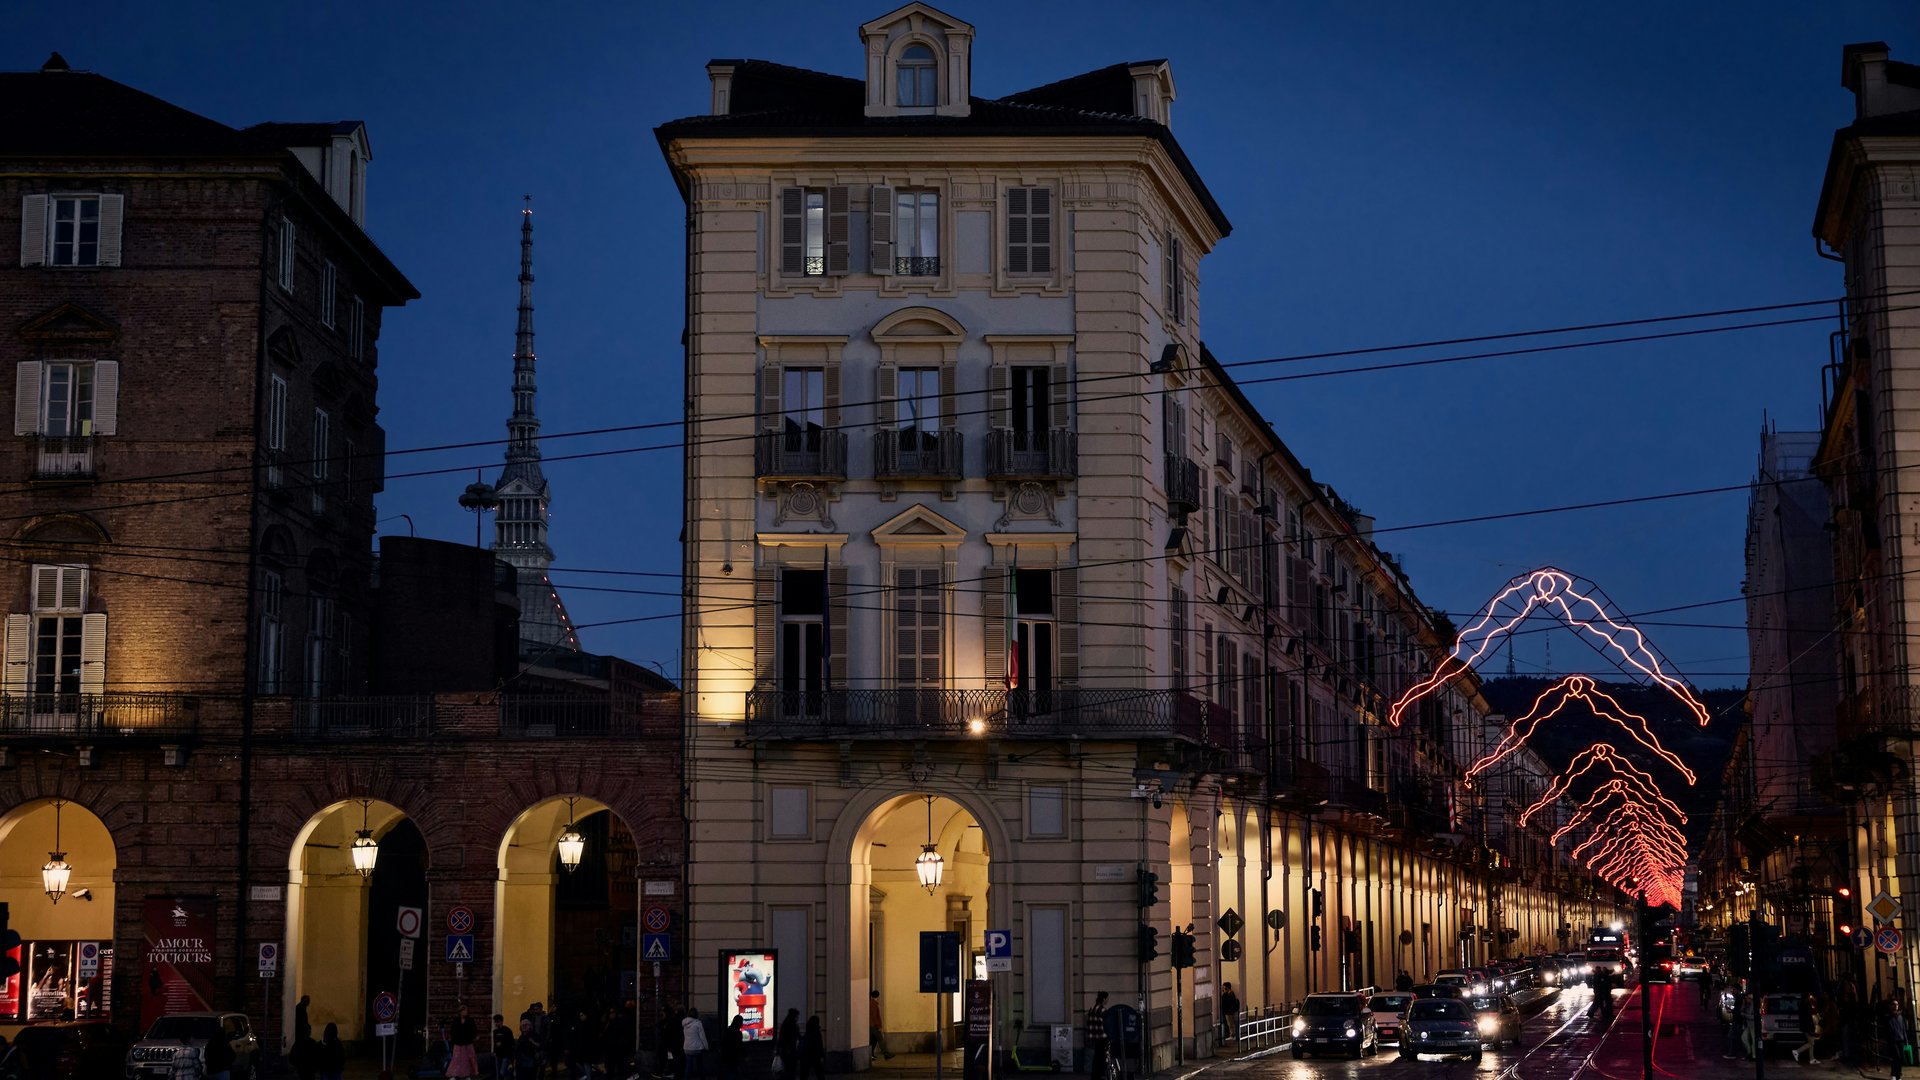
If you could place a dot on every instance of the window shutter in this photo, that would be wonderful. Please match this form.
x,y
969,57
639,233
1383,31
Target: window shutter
x,y
1017,233
838,199
93,653
793,231
1057,399
1066,624
993,624
106,397
906,627
33,233
880,217
112,214
1040,231
949,383
766,621
26,398
886,392
999,398
770,410
837,611
18,644
830,396
73,588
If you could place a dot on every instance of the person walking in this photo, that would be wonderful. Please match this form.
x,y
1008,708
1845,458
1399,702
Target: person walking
x,y
1809,1011
1403,982
1230,1012
220,1057
462,1059
1096,1037
813,1051
528,1054
1896,1035
616,1044
333,1054
693,1043
787,1043
500,1043
667,1037
876,1034
733,1043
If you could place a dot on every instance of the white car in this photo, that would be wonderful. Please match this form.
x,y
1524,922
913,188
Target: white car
x,y
1389,1015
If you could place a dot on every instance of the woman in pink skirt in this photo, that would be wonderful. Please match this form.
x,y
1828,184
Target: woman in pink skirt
x,y
464,1062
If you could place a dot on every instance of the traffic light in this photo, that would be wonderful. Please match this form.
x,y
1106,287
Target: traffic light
x,y
1149,943
1846,913
1319,903
1313,938
1182,948
1149,889
9,947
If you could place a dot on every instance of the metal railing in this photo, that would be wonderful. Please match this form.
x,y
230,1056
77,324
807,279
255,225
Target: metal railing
x,y
64,457
819,455
916,266
907,454
363,717
1051,453
557,717
1272,1027
1182,484
1018,714
114,716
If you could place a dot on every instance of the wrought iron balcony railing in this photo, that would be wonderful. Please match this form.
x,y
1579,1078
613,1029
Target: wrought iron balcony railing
x,y
817,455
1000,714
1048,454
64,457
561,717
1183,484
916,266
904,455
103,716
363,717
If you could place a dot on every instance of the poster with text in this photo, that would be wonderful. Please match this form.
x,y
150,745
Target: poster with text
x,y
50,971
746,991
10,987
177,962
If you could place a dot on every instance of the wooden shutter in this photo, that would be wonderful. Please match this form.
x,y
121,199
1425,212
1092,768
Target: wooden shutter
x,y
793,231
830,395
18,649
770,409
1177,636
1018,261
838,199
26,398
999,397
886,396
59,588
1066,624
1040,231
880,221
106,397
1057,398
33,233
93,653
993,624
112,214
837,611
766,624
949,385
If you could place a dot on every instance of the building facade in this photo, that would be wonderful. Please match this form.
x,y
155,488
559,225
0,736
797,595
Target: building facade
x,y
993,569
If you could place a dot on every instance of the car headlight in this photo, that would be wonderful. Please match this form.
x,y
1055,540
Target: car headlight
x,y
1299,1027
1479,988
1351,1032
1426,1034
1488,1025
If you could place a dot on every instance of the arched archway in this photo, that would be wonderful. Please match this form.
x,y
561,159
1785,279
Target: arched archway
x,y
566,938
58,980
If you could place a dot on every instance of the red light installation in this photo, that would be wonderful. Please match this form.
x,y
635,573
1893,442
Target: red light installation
x,y
1603,754
1582,689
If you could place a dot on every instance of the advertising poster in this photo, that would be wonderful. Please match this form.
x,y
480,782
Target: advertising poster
x,y
746,991
50,969
178,957
10,987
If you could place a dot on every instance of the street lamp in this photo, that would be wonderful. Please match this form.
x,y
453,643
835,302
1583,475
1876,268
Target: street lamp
x,y
572,844
479,499
55,875
929,866
365,849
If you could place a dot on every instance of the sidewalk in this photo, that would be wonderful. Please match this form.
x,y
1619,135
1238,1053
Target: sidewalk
x,y
1689,1042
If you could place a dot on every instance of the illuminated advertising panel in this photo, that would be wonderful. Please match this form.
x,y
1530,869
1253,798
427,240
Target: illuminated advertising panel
x,y
746,991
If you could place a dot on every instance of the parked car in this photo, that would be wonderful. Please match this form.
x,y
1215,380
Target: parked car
x,y
55,1051
1578,968
152,1056
1780,1021
1440,1026
1389,1013
1497,1018
1335,1022
1439,990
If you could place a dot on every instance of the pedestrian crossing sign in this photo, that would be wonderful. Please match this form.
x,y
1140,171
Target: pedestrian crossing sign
x,y
656,947
460,948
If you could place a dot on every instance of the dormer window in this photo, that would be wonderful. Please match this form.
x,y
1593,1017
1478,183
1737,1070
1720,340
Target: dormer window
x,y
917,80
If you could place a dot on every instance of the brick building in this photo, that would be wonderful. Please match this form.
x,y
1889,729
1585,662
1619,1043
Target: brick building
x,y
200,729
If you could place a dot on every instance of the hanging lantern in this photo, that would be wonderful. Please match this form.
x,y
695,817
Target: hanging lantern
x,y
572,845
929,866
55,875
365,849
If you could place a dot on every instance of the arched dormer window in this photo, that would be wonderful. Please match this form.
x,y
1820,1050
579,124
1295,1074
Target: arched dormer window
x,y
917,80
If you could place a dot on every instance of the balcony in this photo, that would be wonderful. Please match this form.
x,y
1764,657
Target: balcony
x,y
916,266
363,718
1050,454
1183,485
168,717
1352,794
562,717
987,714
918,455
814,455
1883,710
63,458
1300,782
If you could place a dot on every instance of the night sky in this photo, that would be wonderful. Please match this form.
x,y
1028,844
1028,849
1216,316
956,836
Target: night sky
x,y
1394,173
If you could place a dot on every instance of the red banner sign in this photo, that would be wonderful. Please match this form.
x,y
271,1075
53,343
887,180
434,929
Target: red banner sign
x,y
178,958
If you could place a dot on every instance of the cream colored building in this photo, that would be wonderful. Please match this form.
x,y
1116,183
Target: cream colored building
x,y
987,557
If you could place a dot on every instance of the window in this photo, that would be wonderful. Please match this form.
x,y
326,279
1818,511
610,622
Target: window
x,y
1175,280
356,328
322,451
918,650
71,230
286,254
917,79
1177,647
273,631
76,231
59,598
276,424
1032,406
803,644
813,231
1050,974
1046,811
1029,230
67,399
916,223
329,280
320,616
789,812
1034,630
803,405
918,403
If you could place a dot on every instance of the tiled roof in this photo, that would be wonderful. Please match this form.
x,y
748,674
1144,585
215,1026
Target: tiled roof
x,y
78,113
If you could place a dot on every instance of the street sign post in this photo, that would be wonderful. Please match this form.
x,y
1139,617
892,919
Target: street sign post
x,y
460,919
657,948
409,921
1862,937
89,959
1883,907
269,959
999,950
1887,939
460,948
656,919
406,953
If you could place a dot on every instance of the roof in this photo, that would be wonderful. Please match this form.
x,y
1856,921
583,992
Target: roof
x,y
1840,157
772,100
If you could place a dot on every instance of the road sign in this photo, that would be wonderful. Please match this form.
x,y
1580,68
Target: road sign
x,y
1230,923
89,959
460,948
1883,908
406,954
939,962
1277,920
385,1006
269,959
1862,937
1887,939
656,919
408,921
999,951
386,1030
460,919
656,947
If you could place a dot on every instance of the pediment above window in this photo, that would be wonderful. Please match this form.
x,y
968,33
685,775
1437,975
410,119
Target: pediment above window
x,y
919,63
918,525
918,324
70,324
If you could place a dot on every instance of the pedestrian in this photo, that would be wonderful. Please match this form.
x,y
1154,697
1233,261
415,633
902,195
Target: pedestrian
x,y
1749,1022
528,1054
733,1042
1730,1030
786,1044
333,1054
1230,1011
1896,1035
583,1045
302,1024
1096,1038
1849,1007
876,1035
693,1043
501,1045
813,1051
1403,982
667,1036
220,1057
616,1044
1809,1014
462,1059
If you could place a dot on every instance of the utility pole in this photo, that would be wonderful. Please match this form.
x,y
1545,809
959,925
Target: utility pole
x,y
1645,925
1755,998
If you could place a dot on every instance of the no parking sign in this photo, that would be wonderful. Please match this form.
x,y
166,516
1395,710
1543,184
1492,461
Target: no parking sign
x,y
89,959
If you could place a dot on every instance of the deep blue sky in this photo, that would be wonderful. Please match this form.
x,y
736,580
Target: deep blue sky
x,y
1393,172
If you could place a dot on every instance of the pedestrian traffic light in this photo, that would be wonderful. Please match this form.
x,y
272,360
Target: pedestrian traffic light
x,y
1149,889
9,947
1149,943
1313,938
1182,948
1319,903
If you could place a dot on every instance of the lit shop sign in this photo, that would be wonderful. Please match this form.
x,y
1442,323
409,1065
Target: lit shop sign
x,y
746,991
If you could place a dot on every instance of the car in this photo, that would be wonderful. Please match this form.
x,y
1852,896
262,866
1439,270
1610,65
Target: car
x,y
1780,1020
1472,980
1439,990
1660,972
1690,967
1578,968
1389,1013
1335,1022
73,1048
152,1057
1440,1026
1497,1018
